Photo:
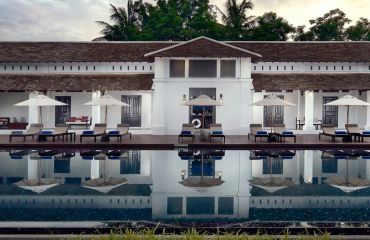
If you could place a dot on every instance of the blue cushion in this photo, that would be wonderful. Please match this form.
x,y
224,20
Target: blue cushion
x,y
186,132
16,157
340,132
261,132
87,132
217,132
87,158
287,132
217,158
115,132
46,158
366,132
186,157
287,157
113,157
46,132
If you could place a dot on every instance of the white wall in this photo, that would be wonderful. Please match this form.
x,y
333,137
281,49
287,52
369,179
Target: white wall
x,y
7,108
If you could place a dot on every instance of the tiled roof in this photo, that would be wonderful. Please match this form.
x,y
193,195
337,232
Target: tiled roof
x,y
319,81
135,51
309,51
75,82
203,47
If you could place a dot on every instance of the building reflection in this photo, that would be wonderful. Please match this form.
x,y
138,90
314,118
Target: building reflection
x,y
189,183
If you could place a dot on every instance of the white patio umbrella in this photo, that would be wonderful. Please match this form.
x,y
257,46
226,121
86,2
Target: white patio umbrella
x,y
273,101
203,101
348,101
107,101
271,184
39,185
103,184
40,101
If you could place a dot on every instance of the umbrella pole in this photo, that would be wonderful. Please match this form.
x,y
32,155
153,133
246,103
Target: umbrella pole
x,y
40,114
271,118
347,114
106,114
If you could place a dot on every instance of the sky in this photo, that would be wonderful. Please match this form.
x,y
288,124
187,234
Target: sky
x,y
74,20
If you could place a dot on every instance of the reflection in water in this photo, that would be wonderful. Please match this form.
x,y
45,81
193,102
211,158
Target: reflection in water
x,y
185,184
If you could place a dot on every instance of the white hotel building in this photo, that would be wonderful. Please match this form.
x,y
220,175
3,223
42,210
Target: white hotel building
x,y
153,77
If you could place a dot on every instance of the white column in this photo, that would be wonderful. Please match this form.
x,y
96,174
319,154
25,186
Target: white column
x,y
159,107
33,111
95,110
308,166
367,110
308,110
32,168
299,104
95,169
246,99
241,203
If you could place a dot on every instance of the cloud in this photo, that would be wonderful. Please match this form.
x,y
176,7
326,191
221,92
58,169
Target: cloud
x,y
74,20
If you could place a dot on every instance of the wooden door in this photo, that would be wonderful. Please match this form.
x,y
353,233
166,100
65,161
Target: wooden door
x,y
130,163
131,115
330,113
62,113
278,114
197,111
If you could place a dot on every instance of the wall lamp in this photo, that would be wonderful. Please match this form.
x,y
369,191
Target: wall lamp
x,y
219,174
183,173
184,98
221,98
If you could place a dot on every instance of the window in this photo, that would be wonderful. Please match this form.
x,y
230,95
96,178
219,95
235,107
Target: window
x,y
225,205
200,205
202,68
177,68
174,205
228,68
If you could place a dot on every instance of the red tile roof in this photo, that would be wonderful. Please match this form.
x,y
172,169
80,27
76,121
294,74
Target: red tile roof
x,y
135,51
319,81
75,82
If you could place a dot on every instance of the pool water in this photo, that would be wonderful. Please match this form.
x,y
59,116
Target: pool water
x,y
185,185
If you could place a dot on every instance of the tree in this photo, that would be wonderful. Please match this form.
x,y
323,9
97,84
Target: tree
x,y
360,31
124,27
301,35
236,19
270,27
330,27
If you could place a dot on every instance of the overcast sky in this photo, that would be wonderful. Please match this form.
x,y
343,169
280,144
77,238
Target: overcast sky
x,y
74,20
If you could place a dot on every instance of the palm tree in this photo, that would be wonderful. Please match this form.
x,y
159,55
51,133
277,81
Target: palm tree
x,y
235,17
124,27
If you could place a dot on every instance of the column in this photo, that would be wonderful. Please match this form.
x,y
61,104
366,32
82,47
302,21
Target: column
x,y
298,92
308,110
32,168
94,171
246,108
368,110
241,203
33,111
95,110
159,108
308,166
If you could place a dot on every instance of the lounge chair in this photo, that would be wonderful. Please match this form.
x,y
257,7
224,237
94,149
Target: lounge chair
x,y
98,130
257,131
282,133
186,132
330,131
60,130
32,131
216,132
121,131
356,132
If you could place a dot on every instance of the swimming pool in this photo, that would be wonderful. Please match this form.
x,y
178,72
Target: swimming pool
x,y
206,186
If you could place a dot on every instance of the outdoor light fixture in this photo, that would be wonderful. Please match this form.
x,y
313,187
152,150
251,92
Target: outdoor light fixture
x,y
219,174
183,172
184,98
221,98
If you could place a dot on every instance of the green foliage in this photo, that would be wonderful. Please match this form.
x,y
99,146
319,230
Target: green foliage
x,y
330,27
360,31
270,27
181,20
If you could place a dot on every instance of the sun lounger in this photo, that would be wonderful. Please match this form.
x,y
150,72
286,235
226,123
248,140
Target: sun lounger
x,y
32,131
98,130
186,132
257,131
121,131
60,130
356,132
282,133
330,131
216,132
